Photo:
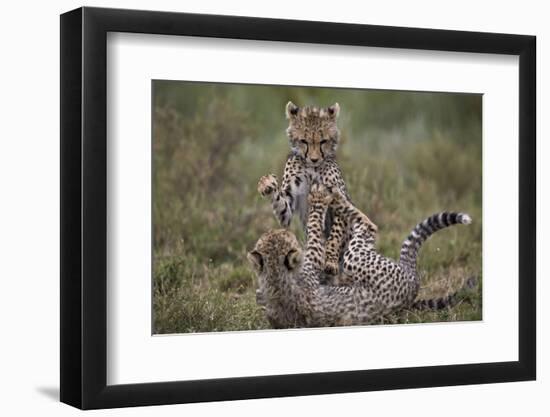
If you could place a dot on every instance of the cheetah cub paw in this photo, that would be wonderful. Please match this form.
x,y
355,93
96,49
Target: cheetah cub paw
x,y
267,185
339,200
331,268
319,196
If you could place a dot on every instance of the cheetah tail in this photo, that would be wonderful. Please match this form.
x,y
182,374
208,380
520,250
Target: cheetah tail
x,y
423,230
449,301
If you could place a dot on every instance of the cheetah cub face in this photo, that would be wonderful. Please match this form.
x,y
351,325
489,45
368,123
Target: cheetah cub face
x,y
312,132
277,252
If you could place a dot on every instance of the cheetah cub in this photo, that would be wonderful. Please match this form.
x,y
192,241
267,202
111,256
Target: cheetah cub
x,y
313,136
289,278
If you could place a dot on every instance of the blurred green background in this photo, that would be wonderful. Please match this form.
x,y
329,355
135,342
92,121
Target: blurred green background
x,y
404,156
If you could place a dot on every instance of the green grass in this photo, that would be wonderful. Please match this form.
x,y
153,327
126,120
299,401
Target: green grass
x,y
210,148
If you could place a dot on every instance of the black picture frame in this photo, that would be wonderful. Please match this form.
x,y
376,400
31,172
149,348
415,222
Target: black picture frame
x,y
84,207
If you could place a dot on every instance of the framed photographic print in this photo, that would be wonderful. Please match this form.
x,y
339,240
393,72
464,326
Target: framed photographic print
x,y
257,208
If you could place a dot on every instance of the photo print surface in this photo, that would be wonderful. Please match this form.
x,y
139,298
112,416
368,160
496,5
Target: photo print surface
x,y
278,207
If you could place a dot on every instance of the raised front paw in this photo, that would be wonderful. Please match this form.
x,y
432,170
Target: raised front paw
x,y
267,185
319,196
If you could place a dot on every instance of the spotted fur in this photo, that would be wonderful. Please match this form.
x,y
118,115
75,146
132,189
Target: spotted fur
x,y
289,281
313,137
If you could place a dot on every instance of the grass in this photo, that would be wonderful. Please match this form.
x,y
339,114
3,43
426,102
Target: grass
x,y
210,148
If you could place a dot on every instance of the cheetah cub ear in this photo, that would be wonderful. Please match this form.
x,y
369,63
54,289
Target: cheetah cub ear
x,y
293,259
256,260
334,110
291,110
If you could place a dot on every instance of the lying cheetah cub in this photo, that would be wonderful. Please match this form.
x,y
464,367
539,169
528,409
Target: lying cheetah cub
x,y
313,136
289,279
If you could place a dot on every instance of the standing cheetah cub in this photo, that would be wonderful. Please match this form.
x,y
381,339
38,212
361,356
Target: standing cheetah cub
x,y
313,136
289,280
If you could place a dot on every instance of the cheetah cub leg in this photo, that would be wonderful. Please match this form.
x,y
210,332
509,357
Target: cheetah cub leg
x,y
351,217
362,232
268,185
281,206
334,245
319,199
